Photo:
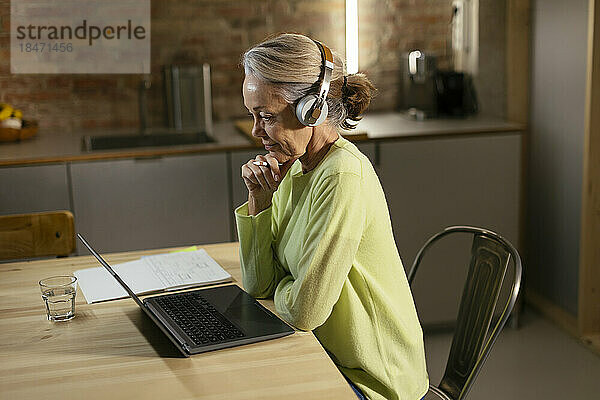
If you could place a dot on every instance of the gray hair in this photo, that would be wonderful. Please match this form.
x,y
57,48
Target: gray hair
x,y
292,63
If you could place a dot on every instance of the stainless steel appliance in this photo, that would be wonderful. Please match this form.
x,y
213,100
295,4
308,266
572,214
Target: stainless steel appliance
x,y
418,84
188,98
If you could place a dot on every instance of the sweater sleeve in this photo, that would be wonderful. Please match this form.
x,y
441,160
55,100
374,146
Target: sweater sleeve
x,y
261,272
334,231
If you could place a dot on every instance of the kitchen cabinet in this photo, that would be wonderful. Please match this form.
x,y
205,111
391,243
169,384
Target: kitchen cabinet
x,y
149,203
27,189
434,183
239,191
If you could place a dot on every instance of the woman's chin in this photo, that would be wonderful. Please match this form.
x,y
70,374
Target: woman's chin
x,y
279,156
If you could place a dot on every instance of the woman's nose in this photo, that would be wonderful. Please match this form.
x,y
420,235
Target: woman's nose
x,y
257,129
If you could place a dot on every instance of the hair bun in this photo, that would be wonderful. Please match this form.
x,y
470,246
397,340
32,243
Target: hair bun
x,y
357,92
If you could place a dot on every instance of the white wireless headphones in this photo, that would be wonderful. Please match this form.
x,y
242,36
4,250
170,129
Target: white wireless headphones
x,y
311,110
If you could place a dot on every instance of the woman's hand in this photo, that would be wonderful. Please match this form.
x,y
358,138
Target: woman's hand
x,y
263,181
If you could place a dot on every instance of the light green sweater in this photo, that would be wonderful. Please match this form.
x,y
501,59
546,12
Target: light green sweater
x,y
326,251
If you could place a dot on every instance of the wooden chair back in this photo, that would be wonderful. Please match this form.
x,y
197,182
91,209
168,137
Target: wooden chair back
x,y
36,235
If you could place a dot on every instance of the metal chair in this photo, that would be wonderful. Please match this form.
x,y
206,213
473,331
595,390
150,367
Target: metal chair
x,y
473,339
36,235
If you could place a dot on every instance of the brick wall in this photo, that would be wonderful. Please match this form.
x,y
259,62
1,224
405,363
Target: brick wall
x,y
217,32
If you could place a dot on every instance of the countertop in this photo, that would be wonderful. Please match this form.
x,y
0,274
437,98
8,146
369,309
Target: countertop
x,y
57,147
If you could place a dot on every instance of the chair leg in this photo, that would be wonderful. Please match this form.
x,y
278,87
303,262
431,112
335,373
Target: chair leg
x,y
515,315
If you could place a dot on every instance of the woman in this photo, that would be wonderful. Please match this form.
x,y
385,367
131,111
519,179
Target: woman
x,y
316,232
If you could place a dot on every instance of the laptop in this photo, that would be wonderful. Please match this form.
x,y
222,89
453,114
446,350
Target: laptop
x,y
206,319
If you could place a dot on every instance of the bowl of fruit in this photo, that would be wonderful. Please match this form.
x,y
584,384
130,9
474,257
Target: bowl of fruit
x,y
12,125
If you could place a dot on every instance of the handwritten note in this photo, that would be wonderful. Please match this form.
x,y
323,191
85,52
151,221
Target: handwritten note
x,y
150,274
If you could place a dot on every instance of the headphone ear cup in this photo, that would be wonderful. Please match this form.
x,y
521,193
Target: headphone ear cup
x,y
303,108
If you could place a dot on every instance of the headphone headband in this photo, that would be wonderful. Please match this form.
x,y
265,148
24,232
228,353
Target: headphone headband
x,y
327,66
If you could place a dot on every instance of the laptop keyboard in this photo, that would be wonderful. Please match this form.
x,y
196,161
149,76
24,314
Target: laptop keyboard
x,y
198,318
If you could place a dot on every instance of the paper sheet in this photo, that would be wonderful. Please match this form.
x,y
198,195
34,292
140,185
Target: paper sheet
x,y
151,274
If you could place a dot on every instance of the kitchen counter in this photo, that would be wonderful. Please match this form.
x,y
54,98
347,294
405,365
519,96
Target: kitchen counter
x,y
57,147
165,196
398,126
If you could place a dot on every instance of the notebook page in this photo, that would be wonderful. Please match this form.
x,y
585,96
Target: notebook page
x,y
182,269
151,274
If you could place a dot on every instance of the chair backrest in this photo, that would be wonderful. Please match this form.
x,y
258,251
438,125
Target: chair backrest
x,y
36,235
473,339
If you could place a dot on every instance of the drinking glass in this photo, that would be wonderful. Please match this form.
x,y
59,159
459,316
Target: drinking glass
x,y
59,293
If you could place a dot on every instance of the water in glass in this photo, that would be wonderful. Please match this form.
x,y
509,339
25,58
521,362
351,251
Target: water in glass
x,y
60,303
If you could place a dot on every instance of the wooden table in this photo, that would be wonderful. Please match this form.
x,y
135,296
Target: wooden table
x,y
112,351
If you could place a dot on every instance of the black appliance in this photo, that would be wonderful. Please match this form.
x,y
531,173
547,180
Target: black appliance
x,y
455,94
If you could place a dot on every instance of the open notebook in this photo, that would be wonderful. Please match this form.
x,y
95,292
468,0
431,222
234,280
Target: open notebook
x,y
150,274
